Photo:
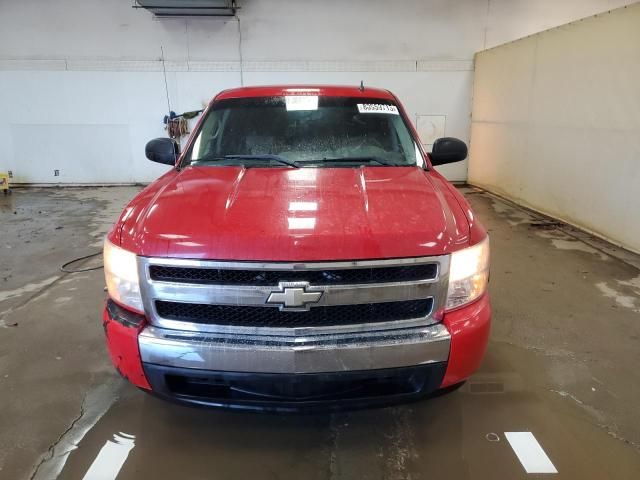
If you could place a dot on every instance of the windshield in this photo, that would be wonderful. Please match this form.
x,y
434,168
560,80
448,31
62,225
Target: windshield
x,y
304,131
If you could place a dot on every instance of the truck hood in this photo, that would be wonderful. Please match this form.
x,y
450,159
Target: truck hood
x,y
285,214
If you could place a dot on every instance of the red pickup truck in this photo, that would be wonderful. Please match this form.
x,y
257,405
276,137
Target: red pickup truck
x,y
302,253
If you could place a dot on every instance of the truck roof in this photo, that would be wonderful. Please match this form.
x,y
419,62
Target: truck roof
x,y
320,90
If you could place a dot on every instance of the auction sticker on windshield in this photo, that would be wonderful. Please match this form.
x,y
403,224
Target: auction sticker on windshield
x,y
301,102
377,108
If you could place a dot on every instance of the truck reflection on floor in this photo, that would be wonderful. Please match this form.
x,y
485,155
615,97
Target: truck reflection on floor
x,y
192,443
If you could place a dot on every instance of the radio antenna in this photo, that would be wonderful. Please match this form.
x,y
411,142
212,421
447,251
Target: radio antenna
x,y
166,87
362,85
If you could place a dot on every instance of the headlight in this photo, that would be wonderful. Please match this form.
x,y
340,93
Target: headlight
x,y
121,273
468,274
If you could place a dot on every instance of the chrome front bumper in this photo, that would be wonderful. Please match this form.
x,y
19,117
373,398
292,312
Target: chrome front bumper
x,y
300,354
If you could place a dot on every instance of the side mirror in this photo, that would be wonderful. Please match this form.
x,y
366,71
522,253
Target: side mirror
x,y
447,150
162,150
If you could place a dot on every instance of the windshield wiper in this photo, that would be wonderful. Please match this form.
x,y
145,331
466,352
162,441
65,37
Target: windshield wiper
x,y
275,158
378,160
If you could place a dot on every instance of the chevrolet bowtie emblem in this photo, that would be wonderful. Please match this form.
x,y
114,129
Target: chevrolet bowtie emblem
x,y
294,296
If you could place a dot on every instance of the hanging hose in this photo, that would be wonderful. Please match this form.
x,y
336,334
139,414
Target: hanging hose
x,y
75,260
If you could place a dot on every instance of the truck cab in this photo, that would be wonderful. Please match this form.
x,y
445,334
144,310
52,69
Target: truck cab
x,y
301,253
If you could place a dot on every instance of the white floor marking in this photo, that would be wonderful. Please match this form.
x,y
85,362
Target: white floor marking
x,y
530,452
111,457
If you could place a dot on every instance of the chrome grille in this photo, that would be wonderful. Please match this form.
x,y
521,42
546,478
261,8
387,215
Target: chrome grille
x,y
242,316
260,298
219,276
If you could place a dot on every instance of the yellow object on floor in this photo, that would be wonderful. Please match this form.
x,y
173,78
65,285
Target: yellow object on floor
x,y
4,183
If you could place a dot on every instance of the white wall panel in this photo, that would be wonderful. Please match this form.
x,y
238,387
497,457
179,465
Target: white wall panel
x,y
561,131
96,62
65,101
74,151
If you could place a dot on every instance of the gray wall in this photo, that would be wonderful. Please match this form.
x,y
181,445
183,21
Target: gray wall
x,y
561,132
82,86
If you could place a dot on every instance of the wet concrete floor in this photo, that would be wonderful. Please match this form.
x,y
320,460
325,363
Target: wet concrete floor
x,y
562,364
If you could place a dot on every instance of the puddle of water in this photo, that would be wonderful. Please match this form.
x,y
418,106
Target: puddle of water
x,y
578,246
96,403
626,301
634,283
29,288
515,216
111,199
563,241
74,278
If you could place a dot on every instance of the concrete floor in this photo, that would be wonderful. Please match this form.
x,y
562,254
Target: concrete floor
x,y
562,364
